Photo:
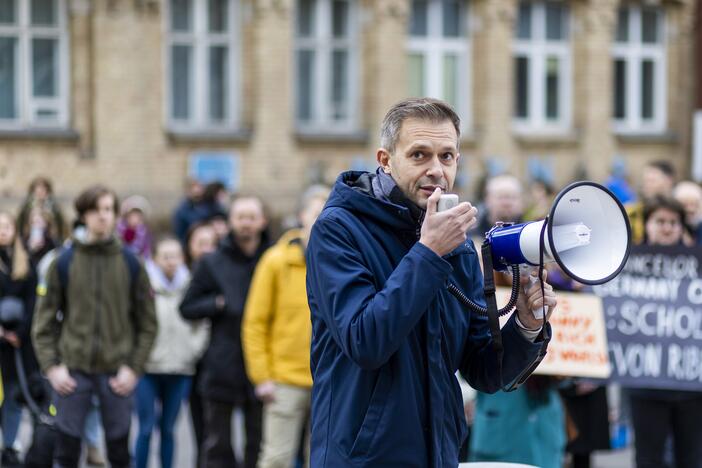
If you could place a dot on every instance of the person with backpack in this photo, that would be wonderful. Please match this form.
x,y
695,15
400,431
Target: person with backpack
x,y
93,330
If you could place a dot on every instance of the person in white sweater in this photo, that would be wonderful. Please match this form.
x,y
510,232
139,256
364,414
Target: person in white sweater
x,y
179,345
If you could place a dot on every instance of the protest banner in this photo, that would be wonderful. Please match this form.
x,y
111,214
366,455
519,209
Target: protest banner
x,y
653,316
578,347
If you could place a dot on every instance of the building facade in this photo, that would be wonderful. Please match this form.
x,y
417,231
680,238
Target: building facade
x,y
126,92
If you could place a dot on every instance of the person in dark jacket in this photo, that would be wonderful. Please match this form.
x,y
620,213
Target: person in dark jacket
x,y
218,291
387,337
660,415
17,283
200,240
585,401
100,342
200,204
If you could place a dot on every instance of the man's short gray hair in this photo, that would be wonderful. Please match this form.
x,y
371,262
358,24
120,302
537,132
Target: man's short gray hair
x,y
433,110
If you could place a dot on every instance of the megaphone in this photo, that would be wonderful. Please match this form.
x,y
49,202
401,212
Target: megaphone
x,y
587,233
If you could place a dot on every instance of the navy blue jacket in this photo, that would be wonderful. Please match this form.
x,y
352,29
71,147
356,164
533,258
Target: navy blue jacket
x,y
387,338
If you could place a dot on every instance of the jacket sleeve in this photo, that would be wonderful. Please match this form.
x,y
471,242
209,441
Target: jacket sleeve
x,y
146,323
200,298
256,325
479,363
368,323
46,328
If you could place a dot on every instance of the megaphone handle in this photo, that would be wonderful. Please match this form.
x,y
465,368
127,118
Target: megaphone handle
x,y
539,312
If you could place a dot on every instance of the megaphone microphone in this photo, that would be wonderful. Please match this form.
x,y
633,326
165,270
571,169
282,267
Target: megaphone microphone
x,y
587,233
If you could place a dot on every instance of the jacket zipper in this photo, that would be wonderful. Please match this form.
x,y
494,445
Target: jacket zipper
x,y
96,333
418,229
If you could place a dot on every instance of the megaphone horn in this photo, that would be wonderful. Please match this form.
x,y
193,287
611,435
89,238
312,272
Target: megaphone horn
x,y
587,233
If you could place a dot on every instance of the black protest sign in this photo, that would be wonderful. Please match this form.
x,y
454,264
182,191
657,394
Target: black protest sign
x,y
653,315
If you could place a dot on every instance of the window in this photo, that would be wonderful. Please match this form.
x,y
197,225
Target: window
x,y
326,70
203,65
33,64
542,68
638,100
438,53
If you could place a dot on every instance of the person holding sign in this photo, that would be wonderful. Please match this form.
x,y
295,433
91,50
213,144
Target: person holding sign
x,y
661,414
387,335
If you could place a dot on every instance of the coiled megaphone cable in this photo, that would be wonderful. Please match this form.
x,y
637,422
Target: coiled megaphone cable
x,y
493,313
480,310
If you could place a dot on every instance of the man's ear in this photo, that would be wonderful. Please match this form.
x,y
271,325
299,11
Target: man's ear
x,y
383,158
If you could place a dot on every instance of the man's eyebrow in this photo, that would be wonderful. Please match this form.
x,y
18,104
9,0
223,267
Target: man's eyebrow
x,y
427,146
420,145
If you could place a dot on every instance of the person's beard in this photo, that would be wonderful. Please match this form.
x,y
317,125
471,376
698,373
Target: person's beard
x,y
245,236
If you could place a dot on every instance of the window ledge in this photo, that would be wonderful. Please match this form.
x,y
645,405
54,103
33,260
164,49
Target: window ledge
x,y
570,137
48,134
321,136
660,138
242,135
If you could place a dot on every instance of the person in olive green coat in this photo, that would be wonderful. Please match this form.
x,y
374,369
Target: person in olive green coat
x,y
93,330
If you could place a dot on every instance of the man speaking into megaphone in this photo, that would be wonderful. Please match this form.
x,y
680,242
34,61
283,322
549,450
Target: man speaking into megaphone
x,y
388,337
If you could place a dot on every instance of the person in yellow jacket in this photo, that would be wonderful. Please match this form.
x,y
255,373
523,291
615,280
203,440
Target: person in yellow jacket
x,y
276,336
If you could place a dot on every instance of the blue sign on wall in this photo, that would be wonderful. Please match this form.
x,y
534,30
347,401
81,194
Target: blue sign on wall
x,y
216,166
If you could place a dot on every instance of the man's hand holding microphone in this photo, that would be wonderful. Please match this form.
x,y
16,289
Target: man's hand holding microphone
x,y
443,231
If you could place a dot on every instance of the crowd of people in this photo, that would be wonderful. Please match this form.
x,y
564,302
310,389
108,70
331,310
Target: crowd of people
x,y
111,320
551,417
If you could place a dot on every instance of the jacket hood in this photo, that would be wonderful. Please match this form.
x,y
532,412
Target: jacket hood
x,y
290,247
161,284
353,191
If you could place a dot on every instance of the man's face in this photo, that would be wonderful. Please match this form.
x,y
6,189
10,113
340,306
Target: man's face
x,y
246,218
100,222
691,201
655,182
504,201
425,157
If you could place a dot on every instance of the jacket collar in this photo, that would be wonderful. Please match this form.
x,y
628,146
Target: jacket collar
x,y
106,247
353,191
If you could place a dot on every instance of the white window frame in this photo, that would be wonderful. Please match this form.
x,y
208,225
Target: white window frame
x,y
200,39
25,102
323,43
433,46
634,52
537,50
